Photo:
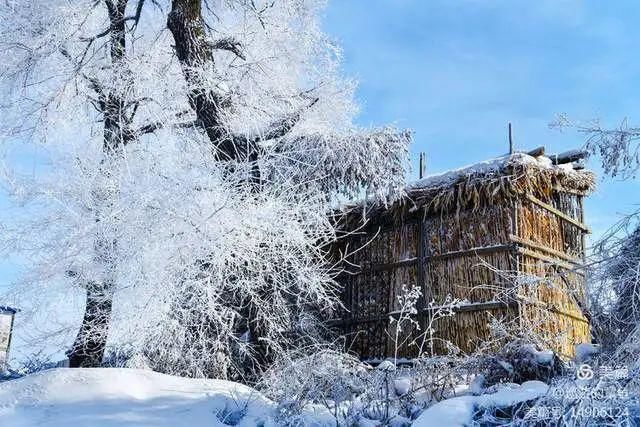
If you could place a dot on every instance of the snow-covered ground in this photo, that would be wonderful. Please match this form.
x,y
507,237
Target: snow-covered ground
x,y
458,411
131,397
128,397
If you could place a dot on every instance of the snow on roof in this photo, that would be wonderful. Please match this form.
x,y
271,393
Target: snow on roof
x,y
481,182
5,309
495,166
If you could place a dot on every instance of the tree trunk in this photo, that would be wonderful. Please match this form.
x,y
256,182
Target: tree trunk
x,y
195,54
90,343
89,346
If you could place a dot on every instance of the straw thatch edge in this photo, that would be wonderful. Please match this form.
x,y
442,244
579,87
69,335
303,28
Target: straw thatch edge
x,y
513,179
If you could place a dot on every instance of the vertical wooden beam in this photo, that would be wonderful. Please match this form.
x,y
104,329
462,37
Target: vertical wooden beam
x,y
422,269
388,277
583,234
515,230
422,165
422,282
511,149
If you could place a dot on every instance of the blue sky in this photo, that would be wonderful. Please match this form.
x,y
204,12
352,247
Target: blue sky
x,y
457,71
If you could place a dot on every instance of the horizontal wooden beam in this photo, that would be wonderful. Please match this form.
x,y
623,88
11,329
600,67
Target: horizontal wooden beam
x,y
558,213
472,251
568,156
554,261
467,307
554,309
480,306
351,321
446,255
536,152
388,265
477,306
544,248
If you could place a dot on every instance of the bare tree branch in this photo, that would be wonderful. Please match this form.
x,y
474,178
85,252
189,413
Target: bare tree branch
x,y
231,45
153,127
284,126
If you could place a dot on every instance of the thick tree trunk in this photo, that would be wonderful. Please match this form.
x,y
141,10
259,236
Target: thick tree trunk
x,y
89,346
90,343
195,54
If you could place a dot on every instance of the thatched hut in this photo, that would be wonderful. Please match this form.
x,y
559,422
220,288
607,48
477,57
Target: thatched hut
x,y
503,239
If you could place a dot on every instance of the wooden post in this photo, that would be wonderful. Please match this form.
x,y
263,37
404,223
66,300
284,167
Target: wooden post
x,y
422,274
423,165
583,234
510,139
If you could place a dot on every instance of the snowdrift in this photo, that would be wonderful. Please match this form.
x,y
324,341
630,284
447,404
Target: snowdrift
x,y
128,397
458,411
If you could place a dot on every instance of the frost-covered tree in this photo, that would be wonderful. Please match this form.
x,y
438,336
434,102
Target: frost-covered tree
x,y
49,75
620,256
191,151
615,279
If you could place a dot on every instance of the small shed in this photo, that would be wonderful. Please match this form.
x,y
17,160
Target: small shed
x,y
503,239
6,326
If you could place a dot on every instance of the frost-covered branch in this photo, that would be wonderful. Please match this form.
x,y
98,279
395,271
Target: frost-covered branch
x,y
618,148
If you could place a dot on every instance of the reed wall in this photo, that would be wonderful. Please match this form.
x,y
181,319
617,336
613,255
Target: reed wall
x,y
516,261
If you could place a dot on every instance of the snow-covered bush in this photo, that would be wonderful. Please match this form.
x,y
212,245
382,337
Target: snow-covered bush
x,y
324,377
31,364
436,378
602,400
506,405
615,284
594,389
518,362
9,374
118,357
356,393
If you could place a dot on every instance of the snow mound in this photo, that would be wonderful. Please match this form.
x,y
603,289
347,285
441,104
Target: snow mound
x,y
586,351
542,357
458,411
128,397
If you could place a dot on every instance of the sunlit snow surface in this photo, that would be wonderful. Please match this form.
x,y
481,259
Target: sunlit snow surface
x,y
128,397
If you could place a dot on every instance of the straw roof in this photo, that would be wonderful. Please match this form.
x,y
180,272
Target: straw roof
x,y
492,181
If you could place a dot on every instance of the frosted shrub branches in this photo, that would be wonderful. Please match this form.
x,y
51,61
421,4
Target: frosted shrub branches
x,y
403,321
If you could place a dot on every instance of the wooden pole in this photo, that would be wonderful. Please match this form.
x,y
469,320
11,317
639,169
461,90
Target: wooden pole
x,y
510,140
423,165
